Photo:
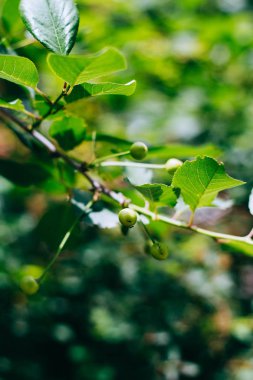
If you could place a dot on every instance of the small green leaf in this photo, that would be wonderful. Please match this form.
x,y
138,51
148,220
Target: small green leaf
x,y
201,180
23,174
159,193
96,89
52,22
18,70
80,69
15,105
68,131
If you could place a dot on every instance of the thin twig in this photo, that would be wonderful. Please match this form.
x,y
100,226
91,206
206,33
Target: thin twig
x,y
132,164
44,96
100,160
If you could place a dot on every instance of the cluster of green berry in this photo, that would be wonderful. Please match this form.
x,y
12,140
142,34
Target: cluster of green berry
x,y
158,250
128,217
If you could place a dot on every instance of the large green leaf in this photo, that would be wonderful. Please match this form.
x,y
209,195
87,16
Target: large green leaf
x,y
23,174
53,22
96,89
201,180
18,70
10,18
159,193
80,69
81,92
15,105
68,131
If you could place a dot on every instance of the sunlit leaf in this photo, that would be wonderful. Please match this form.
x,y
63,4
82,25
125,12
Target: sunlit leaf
x,y
80,69
201,180
15,105
96,89
52,22
183,151
18,70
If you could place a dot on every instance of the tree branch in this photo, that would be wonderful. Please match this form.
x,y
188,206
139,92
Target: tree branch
x,y
58,153
118,197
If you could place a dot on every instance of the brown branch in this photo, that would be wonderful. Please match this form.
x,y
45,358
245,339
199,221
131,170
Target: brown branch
x,y
58,153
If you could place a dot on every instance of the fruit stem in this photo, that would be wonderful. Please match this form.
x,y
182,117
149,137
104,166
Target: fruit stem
x,y
132,164
99,160
146,231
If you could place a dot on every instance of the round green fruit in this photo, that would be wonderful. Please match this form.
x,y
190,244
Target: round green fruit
x,y
139,150
159,251
29,285
172,165
128,217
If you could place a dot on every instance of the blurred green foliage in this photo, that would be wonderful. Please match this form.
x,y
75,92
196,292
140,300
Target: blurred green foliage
x,y
107,311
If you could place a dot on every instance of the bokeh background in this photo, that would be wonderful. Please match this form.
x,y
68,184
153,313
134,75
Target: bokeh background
x,y
106,310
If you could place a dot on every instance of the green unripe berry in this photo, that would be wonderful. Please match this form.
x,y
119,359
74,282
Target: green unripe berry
x,y
172,165
159,251
29,285
139,150
128,217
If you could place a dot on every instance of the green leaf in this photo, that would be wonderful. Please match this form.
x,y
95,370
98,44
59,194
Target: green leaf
x,y
23,174
68,131
83,91
15,105
114,140
52,22
239,246
11,18
80,69
159,193
183,151
106,144
201,180
96,89
18,70
60,217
